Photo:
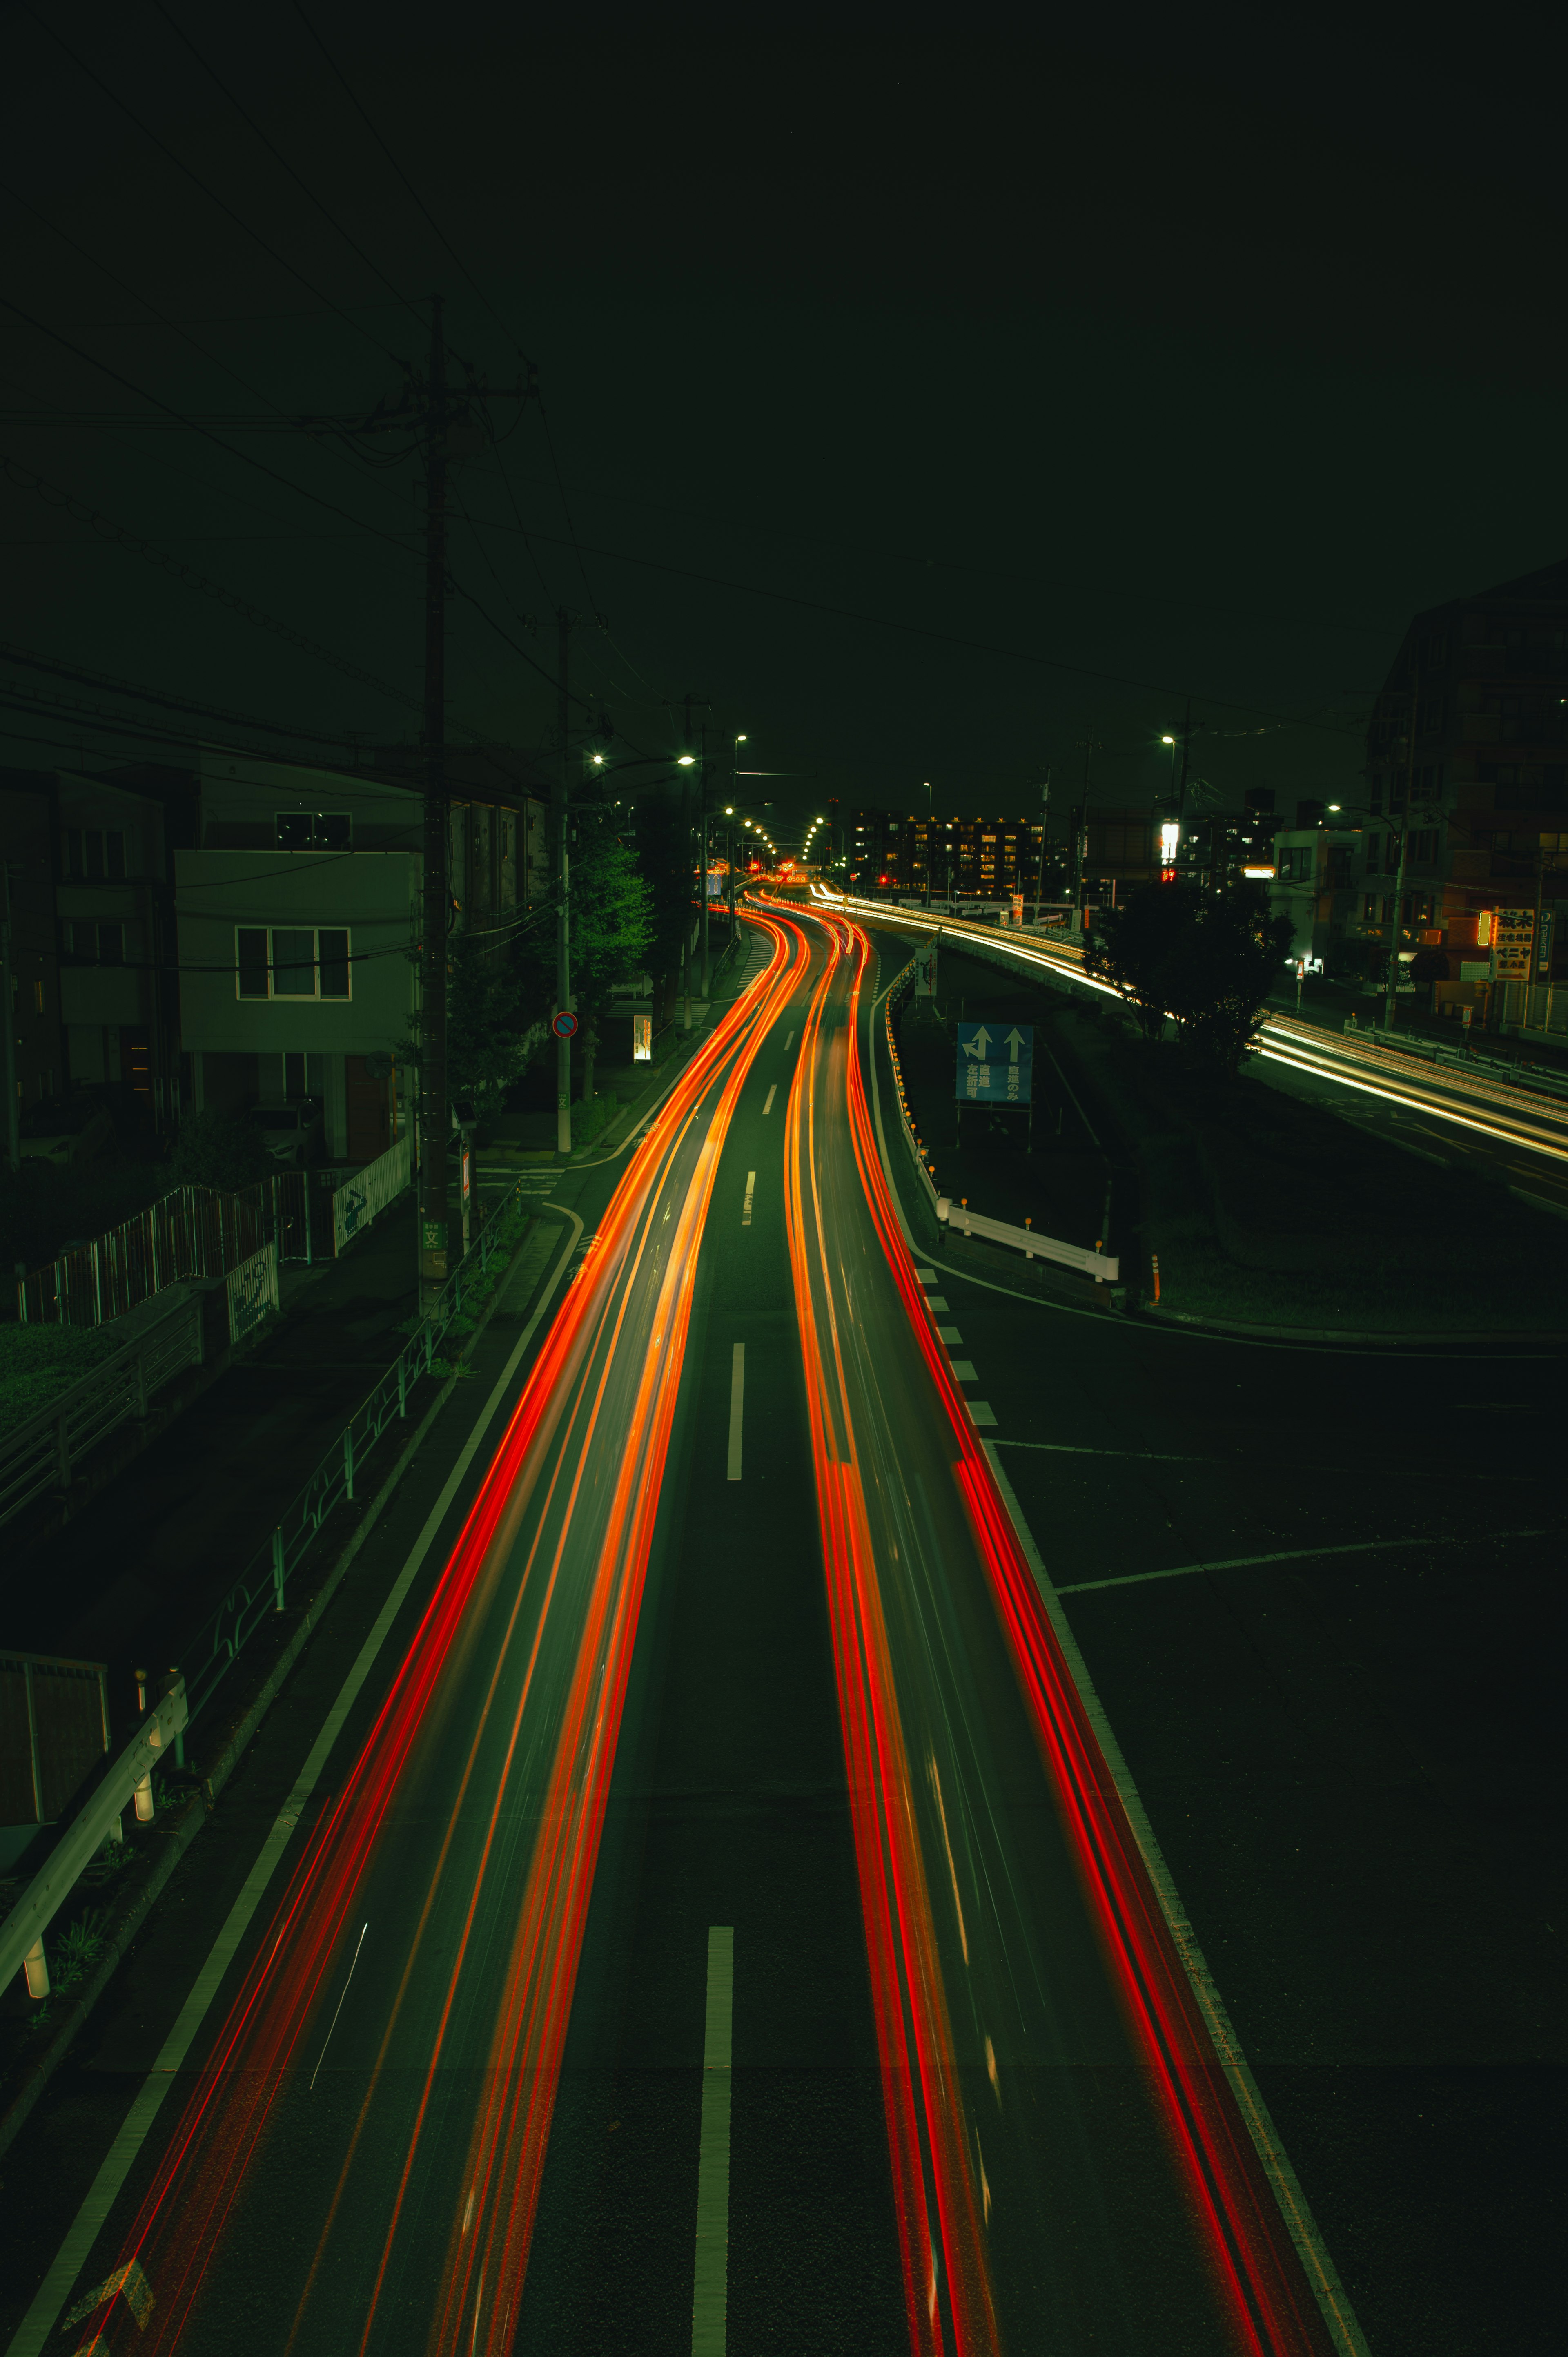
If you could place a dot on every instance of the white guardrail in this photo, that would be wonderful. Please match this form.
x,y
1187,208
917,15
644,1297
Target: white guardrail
x,y
130,1779
1103,1267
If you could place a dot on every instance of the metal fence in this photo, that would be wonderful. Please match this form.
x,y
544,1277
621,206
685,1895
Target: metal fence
x,y
37,1457
190,1231
261,1588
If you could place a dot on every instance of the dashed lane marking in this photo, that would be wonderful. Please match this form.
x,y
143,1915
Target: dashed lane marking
x,y
746,1208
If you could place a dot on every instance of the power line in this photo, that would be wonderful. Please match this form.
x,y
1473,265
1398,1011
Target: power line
x,y
281,159
945,638
353,96
28,480
286,482
212,197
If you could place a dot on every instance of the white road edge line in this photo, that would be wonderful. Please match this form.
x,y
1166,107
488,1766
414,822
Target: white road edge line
x,y
710,2298
1332,2297
736,1407
33,2332
767,1102
1292,1555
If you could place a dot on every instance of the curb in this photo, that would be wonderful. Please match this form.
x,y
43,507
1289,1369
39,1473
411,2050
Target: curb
x,y
1341,1335
37,2074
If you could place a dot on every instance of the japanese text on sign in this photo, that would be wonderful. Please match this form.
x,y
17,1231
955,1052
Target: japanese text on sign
x,y
995,1067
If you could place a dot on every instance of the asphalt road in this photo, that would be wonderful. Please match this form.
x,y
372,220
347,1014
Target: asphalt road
x,y
620,1725
1319,1594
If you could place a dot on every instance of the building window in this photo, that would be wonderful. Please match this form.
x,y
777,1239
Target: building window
x,y
1369,909
314,831
292,962
38,998
110,945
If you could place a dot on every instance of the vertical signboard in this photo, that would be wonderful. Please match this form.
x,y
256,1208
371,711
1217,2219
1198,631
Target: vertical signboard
x,y
925,969
1513,933
643,1039
1017,908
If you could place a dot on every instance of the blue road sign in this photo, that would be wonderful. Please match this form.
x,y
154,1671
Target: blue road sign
x,y
995,1067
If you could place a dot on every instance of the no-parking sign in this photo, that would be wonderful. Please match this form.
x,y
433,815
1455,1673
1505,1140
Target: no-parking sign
x,y
563,1024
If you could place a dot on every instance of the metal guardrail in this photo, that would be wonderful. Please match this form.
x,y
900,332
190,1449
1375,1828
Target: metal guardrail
x,y
1103,1267
1460,1059
130,1777
37,1457
261,1588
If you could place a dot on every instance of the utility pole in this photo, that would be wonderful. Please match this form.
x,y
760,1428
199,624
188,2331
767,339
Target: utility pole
x,y
1044,836
1186,743
436,903
563,886
703,887
686,859
1391,984
8,1004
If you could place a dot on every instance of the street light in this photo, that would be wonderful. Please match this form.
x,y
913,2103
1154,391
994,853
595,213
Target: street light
x,y
685,760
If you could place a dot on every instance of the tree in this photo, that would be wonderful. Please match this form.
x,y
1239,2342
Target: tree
x,y
612,925
1231,953
1139,949
215,1148
486,1047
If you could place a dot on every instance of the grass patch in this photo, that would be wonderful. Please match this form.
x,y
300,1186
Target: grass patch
x,y
38,1362
1267,1209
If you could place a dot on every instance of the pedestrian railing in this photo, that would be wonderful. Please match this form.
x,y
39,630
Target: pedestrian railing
x,y
261,1588
39,1457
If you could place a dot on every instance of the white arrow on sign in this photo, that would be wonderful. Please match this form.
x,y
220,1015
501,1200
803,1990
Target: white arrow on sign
x,y
128,2280
1015,1041
979,1044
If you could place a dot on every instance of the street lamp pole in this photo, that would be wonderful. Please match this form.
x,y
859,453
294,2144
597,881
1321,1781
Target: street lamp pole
x,y
1391,983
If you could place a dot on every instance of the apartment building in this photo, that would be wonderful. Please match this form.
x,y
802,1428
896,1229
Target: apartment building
x,y
975,859
1481,782
99,920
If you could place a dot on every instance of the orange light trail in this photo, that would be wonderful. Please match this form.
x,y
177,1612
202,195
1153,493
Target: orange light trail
x,y
1272,2307
927,2143
199,2178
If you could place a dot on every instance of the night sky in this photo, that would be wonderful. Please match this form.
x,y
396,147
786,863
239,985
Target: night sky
x,y
928,396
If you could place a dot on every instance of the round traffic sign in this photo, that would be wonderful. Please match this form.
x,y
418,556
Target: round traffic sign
x,y
565,1024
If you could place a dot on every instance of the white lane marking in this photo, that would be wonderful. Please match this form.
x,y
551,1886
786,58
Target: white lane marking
x,y
948,1334
963,1371
746,1208
1293,1554
736,1407
981,1411
925,1276
935,1301
767,1102
1073,1448
128,2283
1339,2315
710,2299
789,1043
327,2039
33,2332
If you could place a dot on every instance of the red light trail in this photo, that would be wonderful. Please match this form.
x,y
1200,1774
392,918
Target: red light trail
x,y
599,1470
1271,2308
